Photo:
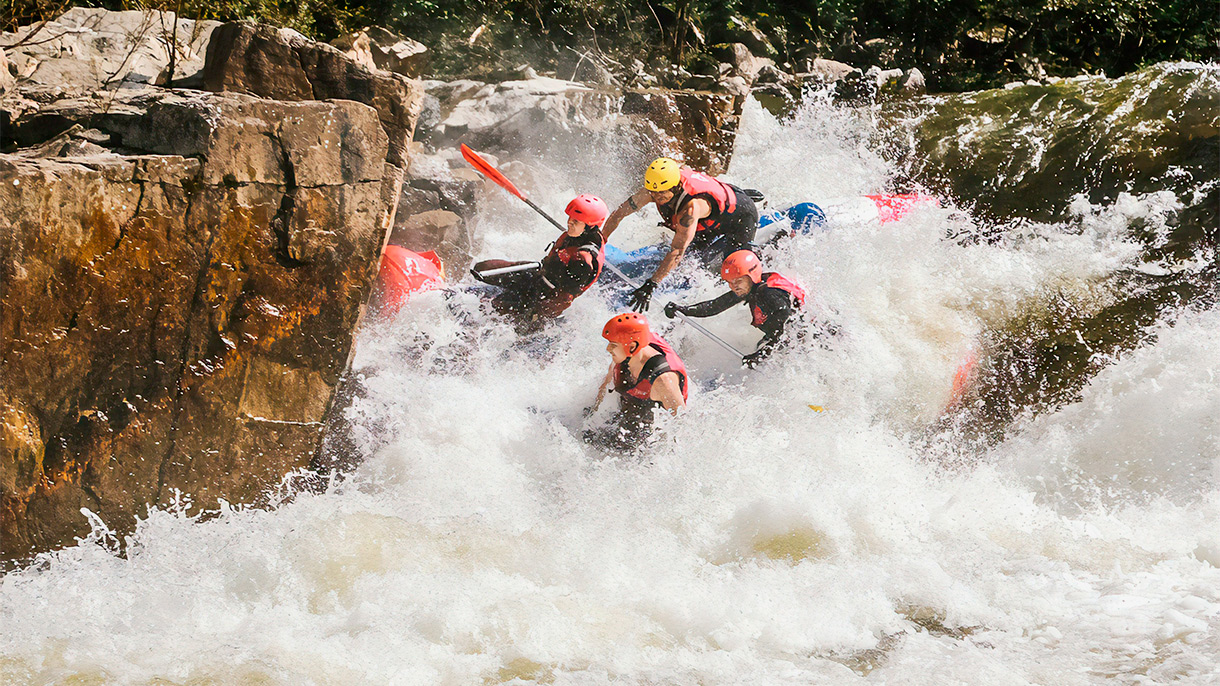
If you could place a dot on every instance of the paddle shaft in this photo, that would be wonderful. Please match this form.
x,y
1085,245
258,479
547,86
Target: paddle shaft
x,y
697,326
506,270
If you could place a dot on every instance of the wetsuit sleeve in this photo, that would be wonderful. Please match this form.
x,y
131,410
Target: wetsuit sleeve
x,y
713,307
572,277
777,306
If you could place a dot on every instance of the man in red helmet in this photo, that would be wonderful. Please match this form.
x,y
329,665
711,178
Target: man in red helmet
x,y
707,215
535,292
774,300
646,373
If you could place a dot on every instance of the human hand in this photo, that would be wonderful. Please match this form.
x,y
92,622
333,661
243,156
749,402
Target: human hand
x,y
641,296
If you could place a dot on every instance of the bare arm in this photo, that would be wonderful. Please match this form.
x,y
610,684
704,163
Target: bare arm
x,y
631,205
684,233
667,391
601,392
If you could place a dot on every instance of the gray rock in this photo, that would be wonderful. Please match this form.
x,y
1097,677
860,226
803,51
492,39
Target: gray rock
x,y
530,114
7,79
87,49
439,230
746,64
283,65
540,115
912,83
820,70
397,53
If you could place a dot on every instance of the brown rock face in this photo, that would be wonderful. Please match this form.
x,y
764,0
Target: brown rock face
x,y
699,127
439,230
281,64
177,321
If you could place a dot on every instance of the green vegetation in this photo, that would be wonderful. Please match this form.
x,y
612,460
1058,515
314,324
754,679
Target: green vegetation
x,y
958,44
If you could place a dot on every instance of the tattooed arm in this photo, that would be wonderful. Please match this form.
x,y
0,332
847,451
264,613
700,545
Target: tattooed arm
x,y
684,233
629,207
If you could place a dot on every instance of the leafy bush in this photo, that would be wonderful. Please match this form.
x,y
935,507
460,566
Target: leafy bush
x,y
958,44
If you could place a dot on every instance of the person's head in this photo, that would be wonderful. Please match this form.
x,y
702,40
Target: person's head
x,y
627,333
662,178
584,211
742,270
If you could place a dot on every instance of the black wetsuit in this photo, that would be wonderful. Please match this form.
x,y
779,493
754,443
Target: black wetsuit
x,y
731,231
771,308
632,424
539,294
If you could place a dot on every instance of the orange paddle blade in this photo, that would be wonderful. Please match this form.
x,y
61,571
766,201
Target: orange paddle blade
x,y
489,171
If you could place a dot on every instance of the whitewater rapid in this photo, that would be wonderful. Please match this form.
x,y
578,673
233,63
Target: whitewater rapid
x,y
479,541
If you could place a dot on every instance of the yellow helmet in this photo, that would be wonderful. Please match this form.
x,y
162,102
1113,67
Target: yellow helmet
x,y
663,174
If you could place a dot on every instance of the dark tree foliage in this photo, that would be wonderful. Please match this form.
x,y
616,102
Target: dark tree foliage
x,y
958,44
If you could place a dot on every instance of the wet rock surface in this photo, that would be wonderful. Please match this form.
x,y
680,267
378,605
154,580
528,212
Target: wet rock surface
x,y
177,322
87,49
1027,150
181,272
545,113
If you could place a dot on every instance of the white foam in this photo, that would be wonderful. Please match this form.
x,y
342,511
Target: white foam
x,y
761,542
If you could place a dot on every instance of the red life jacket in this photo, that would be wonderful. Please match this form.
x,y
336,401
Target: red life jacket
x,y
654,367
783,283
565,249
695,184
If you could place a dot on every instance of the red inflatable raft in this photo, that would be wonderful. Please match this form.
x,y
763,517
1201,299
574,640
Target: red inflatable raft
x,y
405,273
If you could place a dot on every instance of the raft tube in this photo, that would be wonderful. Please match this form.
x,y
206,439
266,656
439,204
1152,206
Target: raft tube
x,y
801,219
403,274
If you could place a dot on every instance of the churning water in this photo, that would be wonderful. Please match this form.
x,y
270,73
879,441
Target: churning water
x,y
481,542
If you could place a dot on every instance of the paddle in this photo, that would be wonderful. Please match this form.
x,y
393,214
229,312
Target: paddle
x,y
494,174
485,168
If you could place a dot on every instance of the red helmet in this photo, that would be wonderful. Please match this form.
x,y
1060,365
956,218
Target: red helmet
x,y
589,209
741,263
628,328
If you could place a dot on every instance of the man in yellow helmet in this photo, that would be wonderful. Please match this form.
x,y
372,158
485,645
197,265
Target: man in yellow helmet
x,y
707,215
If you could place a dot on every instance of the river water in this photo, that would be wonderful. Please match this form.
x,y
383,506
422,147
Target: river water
x,y
480,542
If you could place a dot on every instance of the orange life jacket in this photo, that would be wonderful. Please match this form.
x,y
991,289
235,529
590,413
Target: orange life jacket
x,y
721,196
565,249
783,283
654,367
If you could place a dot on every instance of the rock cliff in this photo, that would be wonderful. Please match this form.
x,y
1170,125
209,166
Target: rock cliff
x,y
181,275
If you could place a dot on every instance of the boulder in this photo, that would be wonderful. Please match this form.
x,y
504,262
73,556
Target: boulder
x,y
823,71
175,320
86,49
281,64
1151,131
698,128
379,48
912,83
747,32
886,80
534,114
7,80
539,116
744,63
436,208
358,47
439,230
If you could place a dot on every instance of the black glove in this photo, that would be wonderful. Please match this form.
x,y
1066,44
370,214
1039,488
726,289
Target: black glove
x,y
641,296
754,359
673,308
